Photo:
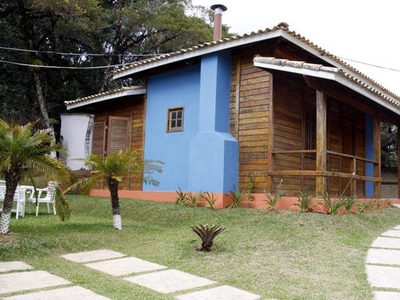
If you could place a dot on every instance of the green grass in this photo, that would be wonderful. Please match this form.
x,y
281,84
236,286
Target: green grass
x,y
281,255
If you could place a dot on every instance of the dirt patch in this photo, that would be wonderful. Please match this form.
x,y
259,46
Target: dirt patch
x,y
9,239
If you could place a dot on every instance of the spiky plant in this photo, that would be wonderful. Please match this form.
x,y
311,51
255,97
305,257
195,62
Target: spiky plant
x,y
207,234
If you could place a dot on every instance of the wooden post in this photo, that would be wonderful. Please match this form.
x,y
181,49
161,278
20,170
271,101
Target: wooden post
x,y
398,160
321,142
354,182
237,95
270,134
377,153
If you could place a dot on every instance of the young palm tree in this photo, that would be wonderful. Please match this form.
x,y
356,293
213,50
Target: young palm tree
x,y
25,153
112,169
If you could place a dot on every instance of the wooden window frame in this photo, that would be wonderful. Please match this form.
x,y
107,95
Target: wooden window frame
x,y
172,121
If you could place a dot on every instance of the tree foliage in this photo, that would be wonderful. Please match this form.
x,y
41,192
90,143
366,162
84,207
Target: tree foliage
x,y
389,155
120,31
24,154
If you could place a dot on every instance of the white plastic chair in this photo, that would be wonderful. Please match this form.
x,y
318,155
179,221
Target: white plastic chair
x,y
19,199
49,198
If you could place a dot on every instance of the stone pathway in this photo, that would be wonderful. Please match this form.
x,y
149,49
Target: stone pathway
x,y
383,265
16,279
19,281
157,277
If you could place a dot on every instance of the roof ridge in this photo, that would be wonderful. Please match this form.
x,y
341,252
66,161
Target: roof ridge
x,y
281,26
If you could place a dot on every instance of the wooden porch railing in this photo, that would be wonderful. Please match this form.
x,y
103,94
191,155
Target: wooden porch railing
x,y
315,173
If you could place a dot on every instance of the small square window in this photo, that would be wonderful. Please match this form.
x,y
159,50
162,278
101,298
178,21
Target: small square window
x,y
175,119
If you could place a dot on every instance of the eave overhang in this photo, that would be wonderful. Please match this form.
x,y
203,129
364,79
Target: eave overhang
x,y
106,96
329,73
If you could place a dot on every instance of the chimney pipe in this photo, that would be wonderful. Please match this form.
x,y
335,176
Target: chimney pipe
x,y
218,10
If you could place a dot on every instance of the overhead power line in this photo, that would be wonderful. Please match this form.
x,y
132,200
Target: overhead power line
x,y
62,67
75,54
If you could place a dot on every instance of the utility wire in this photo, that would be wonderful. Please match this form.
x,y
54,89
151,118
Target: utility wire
x,y
63,67
74,54
364,63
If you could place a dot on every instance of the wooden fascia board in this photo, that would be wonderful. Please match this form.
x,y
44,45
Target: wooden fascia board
x,y
102,98
199,52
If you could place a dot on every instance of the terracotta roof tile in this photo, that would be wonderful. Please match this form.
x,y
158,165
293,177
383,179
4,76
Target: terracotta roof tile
x,y
281,26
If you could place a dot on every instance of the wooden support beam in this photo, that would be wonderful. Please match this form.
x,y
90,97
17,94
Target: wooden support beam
x,y
398,160
377,152
271,132
321,136
237,95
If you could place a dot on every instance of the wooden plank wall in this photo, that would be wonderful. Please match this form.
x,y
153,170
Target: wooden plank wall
x,y
249,120
132,108
289,111
346,134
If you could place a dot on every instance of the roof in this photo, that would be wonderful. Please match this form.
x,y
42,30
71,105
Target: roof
x,y
331,73
281,30
122,92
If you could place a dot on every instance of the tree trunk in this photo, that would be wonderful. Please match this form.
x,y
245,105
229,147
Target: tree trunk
x,y
113,187
89,132
42,106
12,179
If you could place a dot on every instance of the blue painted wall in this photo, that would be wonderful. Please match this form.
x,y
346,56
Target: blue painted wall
x,y
214,152
369,153
169,90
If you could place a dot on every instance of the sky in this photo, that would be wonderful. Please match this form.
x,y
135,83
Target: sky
x,y
365,31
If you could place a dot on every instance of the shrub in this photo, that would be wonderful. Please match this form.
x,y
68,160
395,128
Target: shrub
x,y
273,200
237,196
305,201
207,235
209,198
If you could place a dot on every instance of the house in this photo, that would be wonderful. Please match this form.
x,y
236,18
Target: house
x,y
259,110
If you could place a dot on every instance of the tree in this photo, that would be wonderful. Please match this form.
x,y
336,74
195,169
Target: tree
x,y
113,169
84,33
25,153
39,27
389,155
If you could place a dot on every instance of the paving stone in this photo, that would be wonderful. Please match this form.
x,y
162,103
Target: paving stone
x,y
124,266
169,281
7,266
387,296
89,256
396,205
222,292
23,281
70,293
392,233
383,277
383,256
386,242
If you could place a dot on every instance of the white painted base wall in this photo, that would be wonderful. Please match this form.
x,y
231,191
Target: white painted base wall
x,y
73,130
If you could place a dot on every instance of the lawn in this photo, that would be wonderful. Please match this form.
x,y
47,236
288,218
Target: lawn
x,y
280,255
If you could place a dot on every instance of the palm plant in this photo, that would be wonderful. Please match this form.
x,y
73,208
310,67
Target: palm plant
x,y
25,153
112,169
207,235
